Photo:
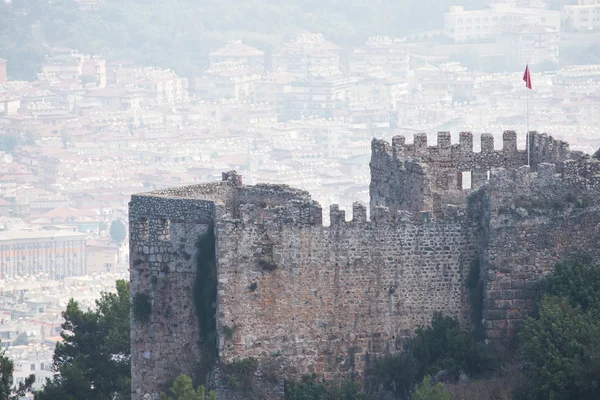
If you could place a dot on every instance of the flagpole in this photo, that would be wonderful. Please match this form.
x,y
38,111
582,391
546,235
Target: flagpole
x,y
528,141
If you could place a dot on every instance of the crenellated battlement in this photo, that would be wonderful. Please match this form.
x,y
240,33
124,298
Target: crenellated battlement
x,y
576,174
309,212
461,155
440,174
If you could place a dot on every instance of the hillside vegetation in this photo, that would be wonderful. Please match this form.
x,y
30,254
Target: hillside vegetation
x,y
179,34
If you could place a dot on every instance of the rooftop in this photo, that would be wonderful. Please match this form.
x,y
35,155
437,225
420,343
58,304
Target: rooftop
x,y
236,48
32,235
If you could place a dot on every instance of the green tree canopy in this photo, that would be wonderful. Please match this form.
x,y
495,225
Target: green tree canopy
x,y
7,390
443,346
93,361
426,390
179,35
183,389
562,344
118,231
577,282
311,389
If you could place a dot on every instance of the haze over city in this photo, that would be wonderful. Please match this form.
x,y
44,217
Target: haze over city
x,y
369,111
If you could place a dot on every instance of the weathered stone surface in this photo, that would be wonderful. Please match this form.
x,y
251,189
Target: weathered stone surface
x,y
347,286
302,297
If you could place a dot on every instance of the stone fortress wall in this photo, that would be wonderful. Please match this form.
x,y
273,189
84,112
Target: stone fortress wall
x,y
534,220
163,231
355,286
302,297
417,177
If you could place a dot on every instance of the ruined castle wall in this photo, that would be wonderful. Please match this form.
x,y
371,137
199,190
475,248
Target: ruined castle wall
x,y
164,227
266,195
398,183
303,298
536,219
215,191
163,232
444,165
306,298
545,149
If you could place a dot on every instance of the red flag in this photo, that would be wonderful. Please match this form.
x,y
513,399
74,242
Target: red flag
x,y
527,77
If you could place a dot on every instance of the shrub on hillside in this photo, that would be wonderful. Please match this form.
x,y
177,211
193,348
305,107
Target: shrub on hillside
x,y
183,389
502,385
426,390
443,346
561,345
309,388
576,282
441,349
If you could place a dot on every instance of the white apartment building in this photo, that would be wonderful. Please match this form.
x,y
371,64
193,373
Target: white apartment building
x,y
236,51
583,16
532,45
379,53
31,359
306,52
60,254
491,23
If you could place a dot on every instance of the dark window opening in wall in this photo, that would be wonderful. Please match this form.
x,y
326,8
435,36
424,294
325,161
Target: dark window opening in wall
x,y
466,179
267,252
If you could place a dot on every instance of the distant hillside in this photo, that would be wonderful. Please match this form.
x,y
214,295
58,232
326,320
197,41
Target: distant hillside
x,y
179,33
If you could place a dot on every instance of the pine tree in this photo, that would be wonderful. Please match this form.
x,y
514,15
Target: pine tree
x,y
93,361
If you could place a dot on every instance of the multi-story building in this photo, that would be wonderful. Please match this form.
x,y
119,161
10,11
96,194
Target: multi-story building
x,y
41,165
101,259
64,64
378,55
236,51
59,254
532,45
583,16
367,121
233,83
385,92
31,359
113,99
305,53
158,86
272,89
69,65
491,23
96,68
318,97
